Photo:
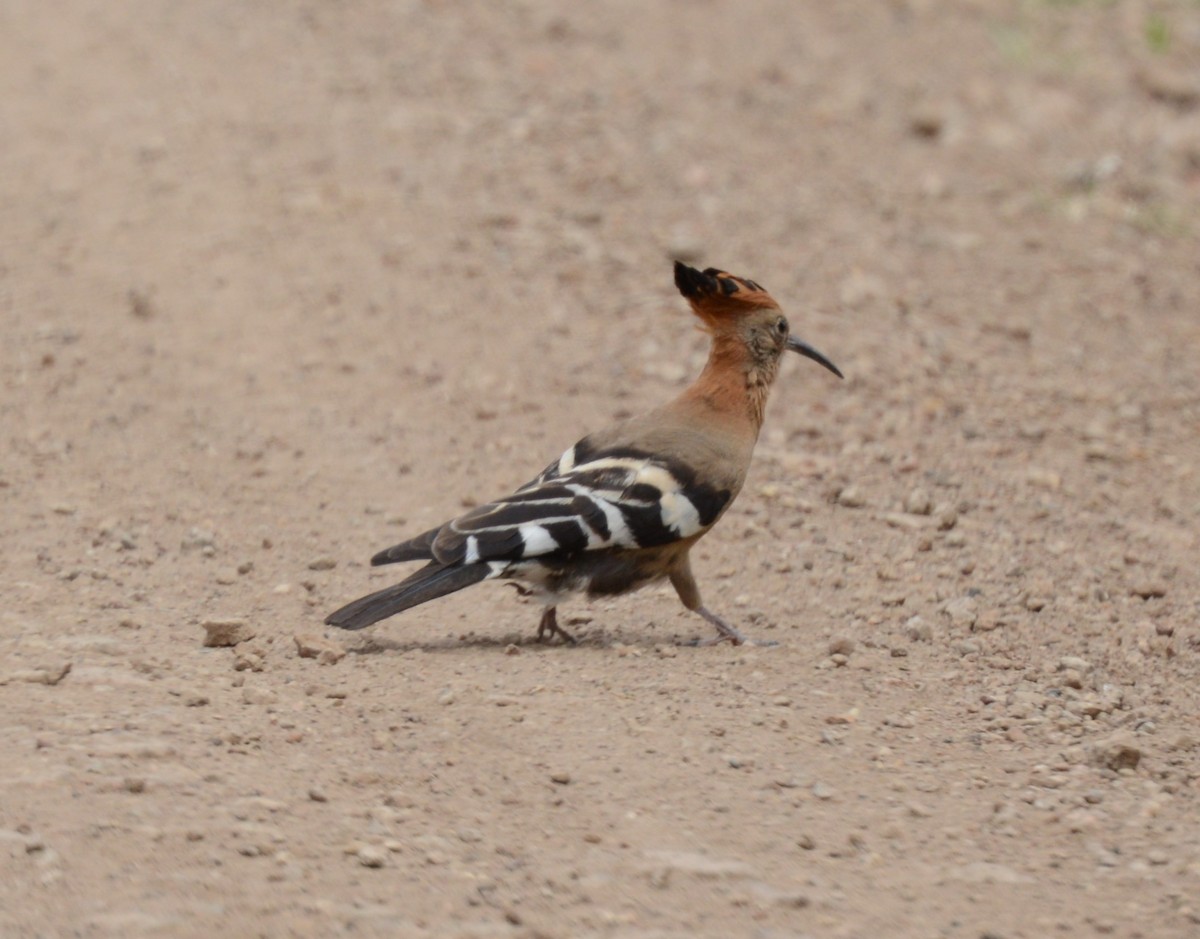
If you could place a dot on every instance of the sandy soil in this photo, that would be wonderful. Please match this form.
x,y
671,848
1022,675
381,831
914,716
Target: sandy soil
x,y
283,283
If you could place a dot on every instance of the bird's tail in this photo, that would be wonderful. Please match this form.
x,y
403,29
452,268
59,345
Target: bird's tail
x,y
430,582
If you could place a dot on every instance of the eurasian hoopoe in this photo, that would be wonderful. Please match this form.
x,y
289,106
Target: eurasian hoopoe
x,y
622,508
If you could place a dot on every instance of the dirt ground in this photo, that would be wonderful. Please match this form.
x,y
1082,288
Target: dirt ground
x,y
281,284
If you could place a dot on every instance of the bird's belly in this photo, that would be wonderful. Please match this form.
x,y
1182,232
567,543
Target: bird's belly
x,y
597,573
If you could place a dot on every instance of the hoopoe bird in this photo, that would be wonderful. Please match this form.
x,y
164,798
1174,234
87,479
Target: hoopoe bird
x,y
623,507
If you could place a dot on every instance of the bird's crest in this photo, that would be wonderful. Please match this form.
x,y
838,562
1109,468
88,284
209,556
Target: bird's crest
x,y
717,295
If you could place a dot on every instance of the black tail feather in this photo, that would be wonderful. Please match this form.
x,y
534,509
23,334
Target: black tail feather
x,y
419,548
429,583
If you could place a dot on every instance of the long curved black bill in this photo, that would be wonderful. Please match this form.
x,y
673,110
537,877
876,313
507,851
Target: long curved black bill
x,y
799,345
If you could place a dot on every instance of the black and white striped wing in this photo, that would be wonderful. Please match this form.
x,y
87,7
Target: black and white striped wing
x,y
615,499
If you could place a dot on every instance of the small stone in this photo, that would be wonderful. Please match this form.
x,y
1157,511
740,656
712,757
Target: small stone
x,y
1117,752
1075,663
226,632
842,644
1148,589
253,694
1043,479
322,564
926,122
822,791
918,502
134,784
851,498
962,611
249,659
199,539
806,842
512,649
325,651
560,778
47,675
317,795
917,630
370,855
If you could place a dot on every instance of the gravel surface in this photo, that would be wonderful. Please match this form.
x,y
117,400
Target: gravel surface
x,y
281,284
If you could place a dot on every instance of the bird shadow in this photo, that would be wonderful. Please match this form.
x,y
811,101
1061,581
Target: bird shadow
x,y
599,640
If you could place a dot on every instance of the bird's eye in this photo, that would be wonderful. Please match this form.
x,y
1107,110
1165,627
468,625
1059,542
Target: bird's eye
x,y
781,326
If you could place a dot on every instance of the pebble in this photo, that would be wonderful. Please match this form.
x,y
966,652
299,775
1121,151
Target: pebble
x,y
199,539
947,517
918,502
1148,589
1116,752
322,564
372,856
963,611
851,498
823,792
842,644
1043,479
917,630
47,675
220,633
253,694
560,778
926,121
325,651
251,659
904,522
317,795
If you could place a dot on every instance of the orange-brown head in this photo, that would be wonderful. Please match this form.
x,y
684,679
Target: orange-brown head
x,y
738,312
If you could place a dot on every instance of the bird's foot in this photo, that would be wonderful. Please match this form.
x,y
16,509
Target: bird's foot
x,y
727,633
549,626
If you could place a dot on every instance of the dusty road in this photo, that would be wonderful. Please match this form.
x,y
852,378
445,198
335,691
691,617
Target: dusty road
x,y
283,283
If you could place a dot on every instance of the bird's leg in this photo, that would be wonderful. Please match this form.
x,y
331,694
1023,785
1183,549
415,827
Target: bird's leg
x,y
689,594
549,624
